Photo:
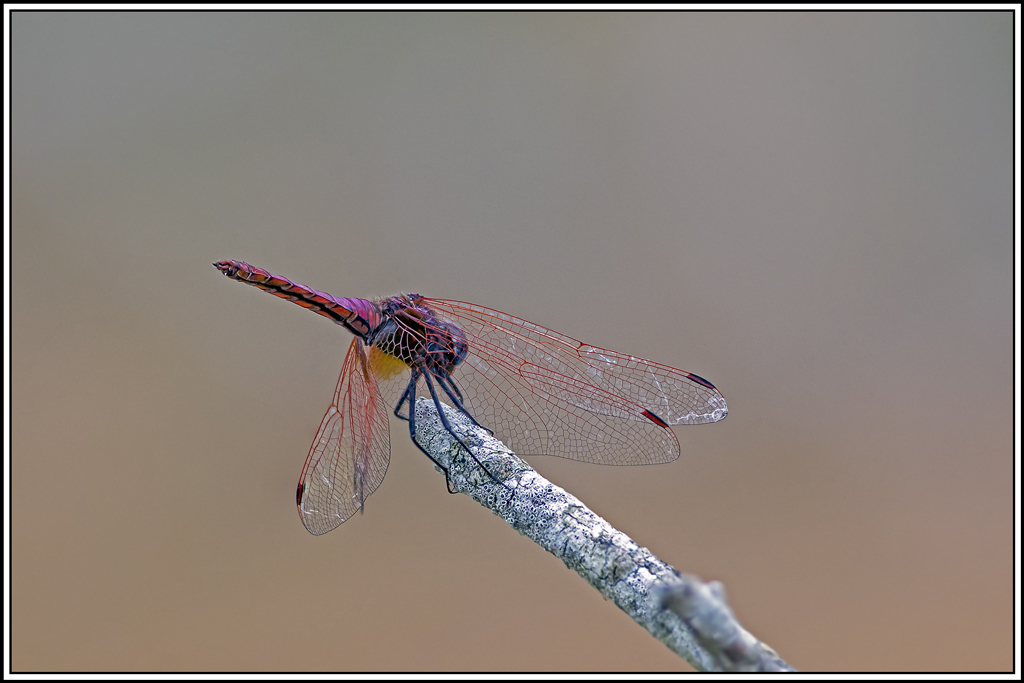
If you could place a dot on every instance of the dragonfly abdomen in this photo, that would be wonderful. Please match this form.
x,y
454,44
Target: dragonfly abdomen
x,y
358,315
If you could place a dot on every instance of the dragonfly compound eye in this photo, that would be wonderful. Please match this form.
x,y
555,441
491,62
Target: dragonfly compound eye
x,y
446,344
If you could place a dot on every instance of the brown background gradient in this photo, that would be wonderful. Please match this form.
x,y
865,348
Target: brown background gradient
x,y
814,211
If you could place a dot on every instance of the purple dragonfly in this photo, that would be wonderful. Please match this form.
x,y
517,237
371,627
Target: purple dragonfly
x,y
538,391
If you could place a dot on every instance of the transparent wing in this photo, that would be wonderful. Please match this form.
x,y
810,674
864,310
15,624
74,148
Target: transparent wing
x,y
349,457
547,394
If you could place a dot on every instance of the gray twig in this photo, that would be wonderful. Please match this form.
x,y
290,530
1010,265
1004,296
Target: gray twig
x,y
690,617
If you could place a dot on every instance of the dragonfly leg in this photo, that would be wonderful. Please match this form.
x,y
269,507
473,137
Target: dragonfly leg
x,y
444,378
409,389
448,384
410,397
448,426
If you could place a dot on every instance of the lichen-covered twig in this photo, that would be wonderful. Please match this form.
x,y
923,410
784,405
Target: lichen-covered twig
x,y
703,608
691,618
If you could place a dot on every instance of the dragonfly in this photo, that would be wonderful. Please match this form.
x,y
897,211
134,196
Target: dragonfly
x,y
538,391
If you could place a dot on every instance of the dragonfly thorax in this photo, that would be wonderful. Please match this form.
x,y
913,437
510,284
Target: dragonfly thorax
x,y
416,336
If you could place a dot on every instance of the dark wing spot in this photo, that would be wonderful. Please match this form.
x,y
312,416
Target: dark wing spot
x,y
298,493
654,418
700,380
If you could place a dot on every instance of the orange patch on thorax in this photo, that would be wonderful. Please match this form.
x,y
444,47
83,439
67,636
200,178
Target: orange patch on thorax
x,y
384,365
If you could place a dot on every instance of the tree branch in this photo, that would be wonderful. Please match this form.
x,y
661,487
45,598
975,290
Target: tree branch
x,y
690,617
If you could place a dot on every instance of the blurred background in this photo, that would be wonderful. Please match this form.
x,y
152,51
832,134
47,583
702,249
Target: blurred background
x,y
812,210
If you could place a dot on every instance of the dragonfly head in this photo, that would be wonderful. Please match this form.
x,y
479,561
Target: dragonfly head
x,y
446,344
